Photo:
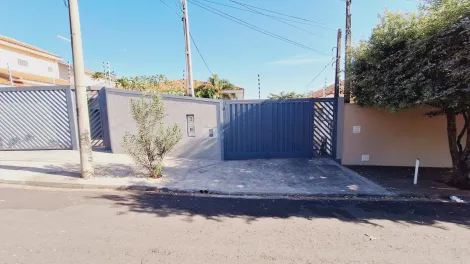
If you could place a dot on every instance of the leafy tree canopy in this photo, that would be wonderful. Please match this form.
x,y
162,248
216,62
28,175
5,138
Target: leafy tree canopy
x,y
416,59
214,88
285,95
153,83
98,75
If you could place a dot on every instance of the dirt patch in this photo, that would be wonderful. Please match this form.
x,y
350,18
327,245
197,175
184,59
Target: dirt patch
x,y
431,181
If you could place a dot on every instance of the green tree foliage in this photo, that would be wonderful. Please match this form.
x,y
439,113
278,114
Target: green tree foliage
x,y
153,83
214,87
285,95
98,75
422,59
153,140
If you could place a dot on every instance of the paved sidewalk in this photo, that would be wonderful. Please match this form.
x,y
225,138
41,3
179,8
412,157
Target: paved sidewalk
x,y
251,177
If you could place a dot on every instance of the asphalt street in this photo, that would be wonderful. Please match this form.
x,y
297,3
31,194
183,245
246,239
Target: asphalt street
x,y
44,225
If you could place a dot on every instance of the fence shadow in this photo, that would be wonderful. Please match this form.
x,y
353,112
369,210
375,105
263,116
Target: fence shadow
x,y
361,212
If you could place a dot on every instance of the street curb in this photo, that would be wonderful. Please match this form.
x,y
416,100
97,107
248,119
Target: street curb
x,y
245,195
173,190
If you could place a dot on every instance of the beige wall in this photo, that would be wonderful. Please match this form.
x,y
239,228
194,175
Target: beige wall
x,y
38,65
395,139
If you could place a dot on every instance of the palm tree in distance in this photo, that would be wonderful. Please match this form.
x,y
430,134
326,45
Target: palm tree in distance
x,y
214,87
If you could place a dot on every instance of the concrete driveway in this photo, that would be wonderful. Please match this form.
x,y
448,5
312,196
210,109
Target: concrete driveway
x,y
250,177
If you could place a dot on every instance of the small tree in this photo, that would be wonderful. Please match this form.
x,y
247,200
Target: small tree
x,y
285,95
153,141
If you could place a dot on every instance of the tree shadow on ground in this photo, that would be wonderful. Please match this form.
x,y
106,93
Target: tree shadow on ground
x,y
354,211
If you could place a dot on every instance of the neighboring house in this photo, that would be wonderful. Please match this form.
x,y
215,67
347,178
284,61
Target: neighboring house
x,y
328,92
31,66
64,73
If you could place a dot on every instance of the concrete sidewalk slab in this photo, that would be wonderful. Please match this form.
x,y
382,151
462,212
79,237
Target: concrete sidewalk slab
x,y
250,177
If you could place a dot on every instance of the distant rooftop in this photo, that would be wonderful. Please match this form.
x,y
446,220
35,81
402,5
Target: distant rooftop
x,y
26,46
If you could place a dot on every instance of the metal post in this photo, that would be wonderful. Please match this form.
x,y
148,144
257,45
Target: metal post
x,y
347,61
188,48
183,82
109,73
415,180
338,66
9,74
70,73
86,157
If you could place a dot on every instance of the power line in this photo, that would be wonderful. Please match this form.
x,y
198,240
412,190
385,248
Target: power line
x,y
200,54
251,26
191,36
326,66
280,19
277,19
167,5
178,5
272,16
282,14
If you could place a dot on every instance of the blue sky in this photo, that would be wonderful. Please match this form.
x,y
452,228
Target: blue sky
x,y
143,37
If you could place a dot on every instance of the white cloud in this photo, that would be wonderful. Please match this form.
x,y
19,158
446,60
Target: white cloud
x,y
293,61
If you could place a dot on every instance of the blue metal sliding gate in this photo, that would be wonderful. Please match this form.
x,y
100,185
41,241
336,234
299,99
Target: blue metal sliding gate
x,y
294,128
268,129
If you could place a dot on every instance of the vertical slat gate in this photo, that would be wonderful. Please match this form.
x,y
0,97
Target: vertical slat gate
x,y
96,126
268,129
324,135
34,119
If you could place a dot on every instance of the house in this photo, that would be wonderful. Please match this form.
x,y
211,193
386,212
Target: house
x,y
66,73
328,92
31,66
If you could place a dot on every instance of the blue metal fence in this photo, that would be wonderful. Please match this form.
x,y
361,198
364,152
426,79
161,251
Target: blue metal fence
x,y
268,129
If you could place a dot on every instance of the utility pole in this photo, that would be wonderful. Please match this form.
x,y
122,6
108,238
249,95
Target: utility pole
x,y
347,60
259,87
338,62
86,158
187,38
